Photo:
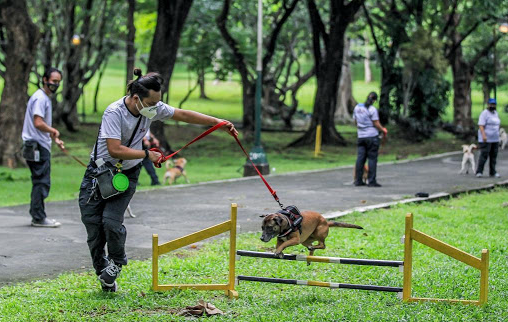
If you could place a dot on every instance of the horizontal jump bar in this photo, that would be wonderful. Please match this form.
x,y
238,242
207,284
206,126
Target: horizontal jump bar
x,y
321,259
321,284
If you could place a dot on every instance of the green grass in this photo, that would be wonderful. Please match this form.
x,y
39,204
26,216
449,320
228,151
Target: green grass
x,y
213,158
469,222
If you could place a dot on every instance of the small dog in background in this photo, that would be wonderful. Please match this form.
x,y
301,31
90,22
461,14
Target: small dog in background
x,y
503,138
365,173
468,158
175,170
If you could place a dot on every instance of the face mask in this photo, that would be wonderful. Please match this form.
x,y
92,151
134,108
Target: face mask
x,y
492,108
53,87
149,111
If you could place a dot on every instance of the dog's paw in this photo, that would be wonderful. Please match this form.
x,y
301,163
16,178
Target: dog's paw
x,y
279,254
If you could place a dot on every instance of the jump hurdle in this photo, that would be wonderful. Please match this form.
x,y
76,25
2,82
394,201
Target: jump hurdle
x,y
158,250
406,265
321,259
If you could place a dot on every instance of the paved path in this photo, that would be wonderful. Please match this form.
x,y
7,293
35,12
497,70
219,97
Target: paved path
x,y
28,253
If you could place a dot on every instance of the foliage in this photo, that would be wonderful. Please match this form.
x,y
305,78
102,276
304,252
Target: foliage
x,y
425,91
470,222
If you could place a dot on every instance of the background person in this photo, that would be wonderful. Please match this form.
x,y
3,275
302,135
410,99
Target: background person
x,y
37,134
150,141
127,119
367,122
488,138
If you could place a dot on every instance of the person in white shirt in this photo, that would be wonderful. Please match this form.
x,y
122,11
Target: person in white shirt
x,y
368,126
37,135
488,138
118,148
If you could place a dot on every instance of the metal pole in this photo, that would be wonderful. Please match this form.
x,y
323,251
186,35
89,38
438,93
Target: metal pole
x,y
495,64
257,153
259,72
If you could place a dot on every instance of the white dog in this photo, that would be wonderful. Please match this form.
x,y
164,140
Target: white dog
x,y
503,138
468,158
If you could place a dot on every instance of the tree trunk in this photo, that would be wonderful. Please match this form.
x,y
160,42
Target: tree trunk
x,y
201,81
345,100
171,16
98,85
328,68
131,36
388,83
462,78
486,89
366,61
19,55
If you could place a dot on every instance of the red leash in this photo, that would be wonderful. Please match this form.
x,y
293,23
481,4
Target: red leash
x,y
163,158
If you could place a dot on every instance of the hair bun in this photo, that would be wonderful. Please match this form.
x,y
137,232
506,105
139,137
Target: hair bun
x,y
137,72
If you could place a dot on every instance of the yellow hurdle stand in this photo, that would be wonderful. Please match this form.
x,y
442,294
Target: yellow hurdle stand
x,y
158,250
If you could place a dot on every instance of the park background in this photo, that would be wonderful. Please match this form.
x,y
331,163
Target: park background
x,y
412,67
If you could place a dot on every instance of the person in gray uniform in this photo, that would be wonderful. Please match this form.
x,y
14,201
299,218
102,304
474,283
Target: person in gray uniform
x,y
488,138
111,177
368,126
37,135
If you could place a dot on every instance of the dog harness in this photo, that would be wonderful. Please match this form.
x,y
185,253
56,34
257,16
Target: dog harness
x,y
179,168
294,219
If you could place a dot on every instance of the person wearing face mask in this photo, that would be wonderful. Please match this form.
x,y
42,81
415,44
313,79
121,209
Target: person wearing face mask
x,y
367,122
488,138
37,135
118,148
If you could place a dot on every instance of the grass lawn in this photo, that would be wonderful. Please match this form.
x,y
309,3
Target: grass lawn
x,y
469,222
212,158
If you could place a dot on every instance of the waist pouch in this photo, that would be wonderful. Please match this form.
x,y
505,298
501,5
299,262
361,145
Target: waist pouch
x,y
111,182
31,151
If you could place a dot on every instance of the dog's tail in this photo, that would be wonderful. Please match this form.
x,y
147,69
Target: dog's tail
x,y
343,225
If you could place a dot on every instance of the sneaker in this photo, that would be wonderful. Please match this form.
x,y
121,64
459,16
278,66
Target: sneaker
x,y
109,275
375,185
496,175
359,184
479,175
113,288
46,223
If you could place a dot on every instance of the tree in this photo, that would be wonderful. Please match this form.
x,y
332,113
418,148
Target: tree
x,y
387,24
328,58
461,20
243,57
131,37
200,41
171,17
18,46
345,100
78,36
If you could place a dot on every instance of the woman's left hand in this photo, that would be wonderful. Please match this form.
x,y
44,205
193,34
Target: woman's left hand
x,y
229,127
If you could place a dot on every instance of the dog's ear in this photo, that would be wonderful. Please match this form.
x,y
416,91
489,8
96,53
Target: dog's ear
x,y
263,216
278,219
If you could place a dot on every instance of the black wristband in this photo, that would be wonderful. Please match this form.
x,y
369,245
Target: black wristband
x,y
146,153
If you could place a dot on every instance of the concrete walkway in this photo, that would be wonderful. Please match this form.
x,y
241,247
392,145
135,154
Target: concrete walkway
x,y
28,253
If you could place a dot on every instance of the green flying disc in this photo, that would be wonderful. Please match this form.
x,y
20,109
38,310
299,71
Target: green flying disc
x,y
120,182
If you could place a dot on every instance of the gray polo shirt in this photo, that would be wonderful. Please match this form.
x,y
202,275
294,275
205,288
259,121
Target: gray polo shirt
x,y
39,104
365,120
491,122
119,123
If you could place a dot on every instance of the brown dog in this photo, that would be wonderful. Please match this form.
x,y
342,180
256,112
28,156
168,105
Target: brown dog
x,y
172,173
365,173
314,228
